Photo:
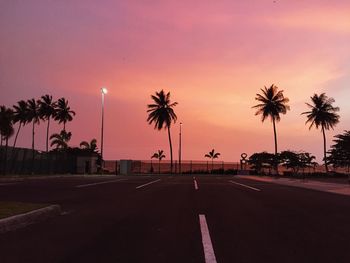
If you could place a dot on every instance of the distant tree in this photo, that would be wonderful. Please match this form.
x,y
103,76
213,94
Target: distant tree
x,y
33,116
47,110
162,114
322,114
20,115
212,155
272,103
340,152
158,155
60,140
296,161
63,112
89,146
262,160
6,128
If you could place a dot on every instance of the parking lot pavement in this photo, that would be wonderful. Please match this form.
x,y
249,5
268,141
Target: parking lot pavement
x,y
179,219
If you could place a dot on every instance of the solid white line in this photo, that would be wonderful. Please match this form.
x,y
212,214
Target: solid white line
x,y
143,185
209,254
247,186
104,182
195,184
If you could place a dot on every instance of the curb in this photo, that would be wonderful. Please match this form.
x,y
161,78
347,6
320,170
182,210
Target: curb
x,y
18,221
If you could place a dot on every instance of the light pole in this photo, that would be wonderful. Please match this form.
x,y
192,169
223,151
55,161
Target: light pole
x,y
180,149
103,92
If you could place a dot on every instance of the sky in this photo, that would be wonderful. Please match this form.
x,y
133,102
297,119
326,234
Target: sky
x,y
213,57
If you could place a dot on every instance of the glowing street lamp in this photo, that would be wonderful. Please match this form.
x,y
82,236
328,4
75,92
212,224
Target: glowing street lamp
x,y
103,92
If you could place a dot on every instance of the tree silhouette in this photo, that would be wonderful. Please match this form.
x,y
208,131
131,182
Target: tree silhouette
x,y
90,146
212,155
33,116
322,114
158,155
162,114
340,152
47,110
20,115
63,112
60,140
272,103
6,129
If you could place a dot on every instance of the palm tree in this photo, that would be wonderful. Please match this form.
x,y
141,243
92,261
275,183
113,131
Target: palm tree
x,y
47,111
60,140
6,129
158,155
90,146
33,116
63,112
324,115
271,104
212,155
20,115
162,114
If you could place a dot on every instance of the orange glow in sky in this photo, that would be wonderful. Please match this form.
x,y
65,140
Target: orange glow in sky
x,y
213,56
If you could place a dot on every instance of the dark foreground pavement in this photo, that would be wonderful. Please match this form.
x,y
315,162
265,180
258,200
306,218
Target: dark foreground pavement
x,y
120,219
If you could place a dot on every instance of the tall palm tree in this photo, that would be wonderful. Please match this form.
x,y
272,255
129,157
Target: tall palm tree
x,y
60,140
322,114
90,146
158,155
212,155
47,110
162,114
63,112
272,103
6,129
20,115
33,116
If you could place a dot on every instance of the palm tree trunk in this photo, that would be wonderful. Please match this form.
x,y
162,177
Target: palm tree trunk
x,y
275,137
6,147
159,167
33,133
171,151
324,149
47,134
212,165
64,126
15,141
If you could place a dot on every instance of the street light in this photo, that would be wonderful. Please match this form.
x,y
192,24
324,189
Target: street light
x,y
180,149
103,92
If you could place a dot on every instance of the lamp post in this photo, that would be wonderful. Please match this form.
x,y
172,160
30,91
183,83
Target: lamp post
x,y
180,149
103,92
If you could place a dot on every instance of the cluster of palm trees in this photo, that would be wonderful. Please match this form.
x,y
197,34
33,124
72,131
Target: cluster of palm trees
x,y
322,113
272,103
33,112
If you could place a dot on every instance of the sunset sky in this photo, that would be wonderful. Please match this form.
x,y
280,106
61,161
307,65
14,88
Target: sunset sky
x,y
213,56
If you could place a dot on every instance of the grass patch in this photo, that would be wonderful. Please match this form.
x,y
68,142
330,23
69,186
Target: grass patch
x,y
8,209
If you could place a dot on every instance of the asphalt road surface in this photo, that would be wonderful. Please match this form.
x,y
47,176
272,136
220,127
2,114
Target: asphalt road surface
x,y
178,219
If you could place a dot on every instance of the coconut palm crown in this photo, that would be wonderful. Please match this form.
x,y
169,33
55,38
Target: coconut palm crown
x,y
63,112
162,114
322,114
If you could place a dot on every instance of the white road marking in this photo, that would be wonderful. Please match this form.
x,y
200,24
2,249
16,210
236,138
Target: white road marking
x,y
247,186
209,254
195,184
104,182
143,185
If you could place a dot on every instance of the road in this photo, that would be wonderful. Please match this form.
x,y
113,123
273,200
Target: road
x,y
178,219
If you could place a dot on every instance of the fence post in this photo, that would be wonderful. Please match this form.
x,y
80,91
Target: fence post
x,y
191,167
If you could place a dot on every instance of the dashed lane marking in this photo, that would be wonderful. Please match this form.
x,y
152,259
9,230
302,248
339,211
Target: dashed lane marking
x,y
143,185
247,186
209,254
104,182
